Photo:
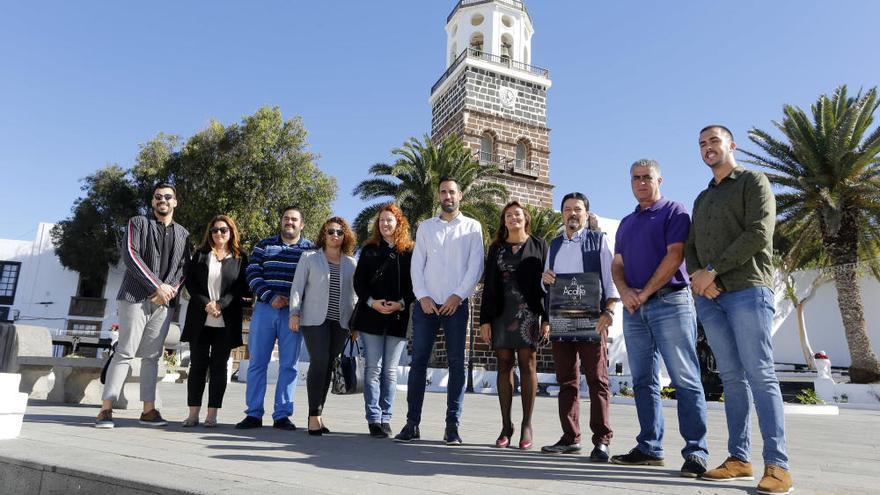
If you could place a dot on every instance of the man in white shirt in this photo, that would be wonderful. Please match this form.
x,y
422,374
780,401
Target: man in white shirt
x,y
447,262
581,250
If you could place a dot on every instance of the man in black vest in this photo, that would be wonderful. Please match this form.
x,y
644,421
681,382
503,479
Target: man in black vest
x,y
582,250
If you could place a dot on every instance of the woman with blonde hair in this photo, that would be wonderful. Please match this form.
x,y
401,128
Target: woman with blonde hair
x,y
321,303
216,282
384,289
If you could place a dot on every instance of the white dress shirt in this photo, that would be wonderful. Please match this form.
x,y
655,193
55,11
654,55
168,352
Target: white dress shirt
x,y
447,258
215,276
570,260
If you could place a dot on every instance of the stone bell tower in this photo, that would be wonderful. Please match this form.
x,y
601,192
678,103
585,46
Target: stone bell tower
x,y
493,97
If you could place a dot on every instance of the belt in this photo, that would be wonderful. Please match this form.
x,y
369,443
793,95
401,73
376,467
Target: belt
x,y
669,289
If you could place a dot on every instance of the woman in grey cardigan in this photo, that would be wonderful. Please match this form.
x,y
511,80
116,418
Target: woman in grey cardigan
x,y
321,303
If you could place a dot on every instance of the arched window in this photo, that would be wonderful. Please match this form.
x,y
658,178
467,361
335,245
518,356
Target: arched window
x,y
487,148
477,42
522,155
506,47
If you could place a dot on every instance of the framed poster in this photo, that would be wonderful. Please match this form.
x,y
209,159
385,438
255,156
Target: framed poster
x,y
574,307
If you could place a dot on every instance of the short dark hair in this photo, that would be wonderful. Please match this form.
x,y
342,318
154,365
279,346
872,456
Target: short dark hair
x,y
575,195
718,126
296,209
165,185
447,178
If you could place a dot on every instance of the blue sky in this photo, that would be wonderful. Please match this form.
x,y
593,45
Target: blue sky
x,y
82,84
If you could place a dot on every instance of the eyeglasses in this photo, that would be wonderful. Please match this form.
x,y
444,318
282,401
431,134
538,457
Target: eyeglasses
x,y
221,230
338,232
642,178
159,197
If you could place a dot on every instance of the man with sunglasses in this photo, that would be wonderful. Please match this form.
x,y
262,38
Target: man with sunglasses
x,y
154,250
270,273
659,321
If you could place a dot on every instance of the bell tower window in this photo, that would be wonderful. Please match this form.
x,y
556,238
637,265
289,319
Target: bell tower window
x,y
477,42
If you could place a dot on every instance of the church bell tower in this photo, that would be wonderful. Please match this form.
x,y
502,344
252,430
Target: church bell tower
x,y
494,98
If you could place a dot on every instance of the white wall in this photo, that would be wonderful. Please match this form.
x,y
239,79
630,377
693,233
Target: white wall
x,y
824,325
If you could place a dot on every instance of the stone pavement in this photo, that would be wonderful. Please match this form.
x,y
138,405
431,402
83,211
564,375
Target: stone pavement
x,y
60,452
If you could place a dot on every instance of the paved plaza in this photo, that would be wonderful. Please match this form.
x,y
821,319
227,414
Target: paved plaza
x,y
60,452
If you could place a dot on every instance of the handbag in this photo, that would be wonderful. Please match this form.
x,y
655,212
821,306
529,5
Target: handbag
x,y
347,376
107,363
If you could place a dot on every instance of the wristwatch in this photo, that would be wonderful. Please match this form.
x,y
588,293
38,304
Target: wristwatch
x,y
609,311
711,269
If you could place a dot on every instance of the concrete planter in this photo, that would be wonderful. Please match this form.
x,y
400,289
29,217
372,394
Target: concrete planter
x,y
12,405
849,395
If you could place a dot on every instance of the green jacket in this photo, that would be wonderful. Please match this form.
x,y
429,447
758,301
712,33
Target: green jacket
x,y
732,229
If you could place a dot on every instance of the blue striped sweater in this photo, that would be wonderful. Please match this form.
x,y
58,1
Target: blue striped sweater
x,y
272,266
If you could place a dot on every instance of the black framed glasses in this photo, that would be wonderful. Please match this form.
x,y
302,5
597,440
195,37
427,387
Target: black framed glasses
x,y
160,197
221,230
338,232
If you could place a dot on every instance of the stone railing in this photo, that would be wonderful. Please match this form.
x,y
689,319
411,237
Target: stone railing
x,y
491,58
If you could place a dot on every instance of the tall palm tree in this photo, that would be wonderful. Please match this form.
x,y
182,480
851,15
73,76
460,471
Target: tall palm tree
x,y
413,179
829,172
546,222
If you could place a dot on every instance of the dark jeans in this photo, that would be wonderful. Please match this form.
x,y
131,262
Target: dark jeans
x,y
568,358
209,353
324,342
424,333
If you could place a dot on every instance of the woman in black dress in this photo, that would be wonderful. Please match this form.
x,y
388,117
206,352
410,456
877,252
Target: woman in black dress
x,y
511,313
215,280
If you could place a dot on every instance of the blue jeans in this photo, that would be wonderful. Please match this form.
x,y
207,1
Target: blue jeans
x,y
666,326
424,332
268,325
738,325
381,357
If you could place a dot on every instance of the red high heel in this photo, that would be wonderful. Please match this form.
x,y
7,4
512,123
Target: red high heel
x,y
525,444
504,439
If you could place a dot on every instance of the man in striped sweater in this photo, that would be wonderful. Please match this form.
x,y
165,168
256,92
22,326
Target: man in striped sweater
x,y
155,250
270,273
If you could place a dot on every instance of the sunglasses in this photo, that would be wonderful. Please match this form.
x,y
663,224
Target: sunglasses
x,y
222,230
338,232
166,197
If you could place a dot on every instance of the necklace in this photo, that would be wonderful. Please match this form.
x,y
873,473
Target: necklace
x,y
220,255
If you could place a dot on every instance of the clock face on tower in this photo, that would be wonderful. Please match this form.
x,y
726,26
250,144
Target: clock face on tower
x,y
508,97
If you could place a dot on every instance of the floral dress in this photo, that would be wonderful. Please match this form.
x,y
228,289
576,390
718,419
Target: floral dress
x,y
516,326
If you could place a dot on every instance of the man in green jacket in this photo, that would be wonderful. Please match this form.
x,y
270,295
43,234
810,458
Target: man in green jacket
x,y
728,255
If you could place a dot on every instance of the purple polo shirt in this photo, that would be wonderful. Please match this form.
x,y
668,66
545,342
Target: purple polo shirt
x,y
642,238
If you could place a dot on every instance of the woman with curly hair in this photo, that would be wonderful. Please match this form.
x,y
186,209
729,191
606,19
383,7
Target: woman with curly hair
x,y
384,289
321,303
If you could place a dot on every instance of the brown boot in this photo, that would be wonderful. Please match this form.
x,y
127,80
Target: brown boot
x,y
731,469
776,481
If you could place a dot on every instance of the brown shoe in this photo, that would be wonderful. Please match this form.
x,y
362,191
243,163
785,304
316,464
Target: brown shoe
x,y
152,418
776,481
104,419
731,469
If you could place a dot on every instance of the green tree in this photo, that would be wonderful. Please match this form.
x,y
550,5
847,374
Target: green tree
x,y
248,170
829,172
88,240
546,222
413,179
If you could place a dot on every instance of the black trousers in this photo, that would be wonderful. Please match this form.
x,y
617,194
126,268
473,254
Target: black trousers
x,y
210,353
324,342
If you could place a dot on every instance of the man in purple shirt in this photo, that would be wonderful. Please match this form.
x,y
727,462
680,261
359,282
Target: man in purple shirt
x,y
659,320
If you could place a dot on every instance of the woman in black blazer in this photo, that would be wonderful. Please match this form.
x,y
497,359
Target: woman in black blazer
x,y
384,289
512,311
215,280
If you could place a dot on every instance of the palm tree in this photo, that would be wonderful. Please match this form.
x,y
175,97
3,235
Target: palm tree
x,y
829,172
413,179
546,222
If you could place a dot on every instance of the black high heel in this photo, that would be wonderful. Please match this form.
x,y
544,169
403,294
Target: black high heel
x,y
320,431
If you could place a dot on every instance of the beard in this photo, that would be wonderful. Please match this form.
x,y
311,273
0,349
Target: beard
x,y
160,213
448,207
